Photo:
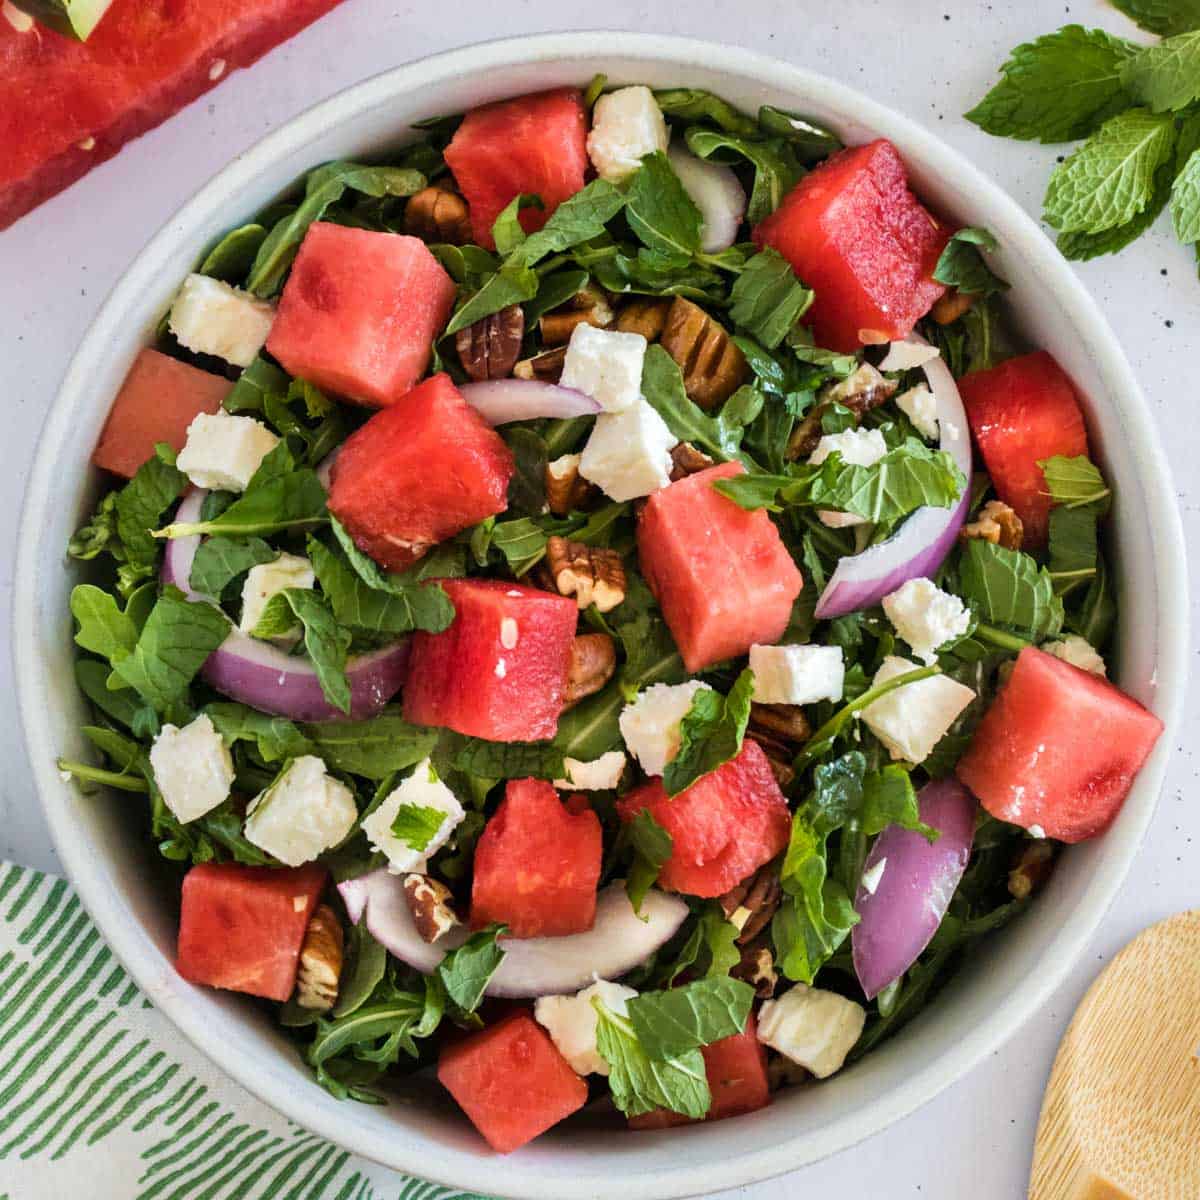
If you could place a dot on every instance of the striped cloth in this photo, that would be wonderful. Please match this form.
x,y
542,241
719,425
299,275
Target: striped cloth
x,y
101,1099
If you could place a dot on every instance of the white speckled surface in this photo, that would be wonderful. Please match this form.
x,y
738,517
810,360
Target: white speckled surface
x,y
930,60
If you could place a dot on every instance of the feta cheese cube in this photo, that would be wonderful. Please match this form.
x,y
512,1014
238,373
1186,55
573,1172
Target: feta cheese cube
x,y
629,453
1079,652
264,581
911,720
192,768
797,674
920,407
606,365
926,617
222,451
598,775
858,448
812,1027
302,814
650,725
571,1022
626,126
210,317
425,790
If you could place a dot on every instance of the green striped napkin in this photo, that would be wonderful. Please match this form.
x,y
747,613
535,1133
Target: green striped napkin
x,y
96,1086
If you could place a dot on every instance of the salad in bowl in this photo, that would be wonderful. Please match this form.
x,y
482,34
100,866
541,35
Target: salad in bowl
x,y
600,610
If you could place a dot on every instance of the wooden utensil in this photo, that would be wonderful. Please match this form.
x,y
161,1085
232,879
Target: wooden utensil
x,y
1121,1115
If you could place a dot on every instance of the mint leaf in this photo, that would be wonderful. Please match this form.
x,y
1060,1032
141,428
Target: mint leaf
x,y
104,627
767,299
507,231
514,283
139,507
811,142
660,212
1009,589
325,642
501,760
652,846
962,266
1166,76
1074,481
672,1022
577,219
1110,178
695,104
1185,200
1163,17
1083,246
711,733
220,560
776,168
466,972
417,824
276,738
1081,499
375,747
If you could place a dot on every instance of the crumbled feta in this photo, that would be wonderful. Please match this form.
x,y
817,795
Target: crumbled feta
x,y
302,814
926,617
192,768
797,674
871,878
812,1027
629,453
562,467
595,776
920,407
571,1022
222,451
210,317
264,581
626,126
858,448
650,725
424,789
911,720
907,355
606,365
1079,652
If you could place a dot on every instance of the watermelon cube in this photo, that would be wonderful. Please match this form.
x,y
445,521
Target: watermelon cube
x,y
863,242
511,1080
531,145
418,472
722,575
1058,750
723,828
499,670
360,312
537,864
1021,412
156,403
241,928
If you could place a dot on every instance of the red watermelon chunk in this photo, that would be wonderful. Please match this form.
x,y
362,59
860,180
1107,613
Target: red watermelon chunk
x,y
722,575
1021,412
360,312
863,242
156,403
511,1080
419,472
241,928
66,106
537,865
1058,750
531,145
499,670
723,828
736,1067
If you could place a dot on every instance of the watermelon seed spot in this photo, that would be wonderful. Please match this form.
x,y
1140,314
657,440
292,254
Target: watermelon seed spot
x,y
216,70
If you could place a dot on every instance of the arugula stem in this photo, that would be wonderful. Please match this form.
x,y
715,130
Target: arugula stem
x,y
126,783
998,637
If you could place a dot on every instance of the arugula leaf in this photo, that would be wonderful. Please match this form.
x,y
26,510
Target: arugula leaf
x,y
325,641
233,255
1164,17
507,231
276,738
775,166
889,798
555,289
1185,200
810,142
695,104
1057,88
1111,177
1081,499
1008,588
577,219
220,560
711,733
92,677
104,627
527,487
417,824
1095,618
669,1023
962,266
1074,481
465,972
660,212
767,299
652,846
375,747
257,381
512,284
1165,76
364,968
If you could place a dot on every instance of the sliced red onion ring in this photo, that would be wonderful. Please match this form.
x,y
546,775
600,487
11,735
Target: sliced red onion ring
x,y
499,401
616,943
926,537
913,888
716,192
325,468
263,676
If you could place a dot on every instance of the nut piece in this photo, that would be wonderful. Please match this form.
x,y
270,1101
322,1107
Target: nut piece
x,y
320,961
591,574
644,315
1031,869
589,306
431,904
752,903
863,389
951,306
713,367
780,729
566,490
687,460
436,214
593,661
547,367
489,348
757,968
998,524
782,1072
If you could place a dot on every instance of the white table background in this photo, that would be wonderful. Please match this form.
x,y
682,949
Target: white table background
x,y
931,60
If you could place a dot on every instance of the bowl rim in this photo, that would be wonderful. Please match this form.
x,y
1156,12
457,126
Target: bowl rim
x,y
443,1164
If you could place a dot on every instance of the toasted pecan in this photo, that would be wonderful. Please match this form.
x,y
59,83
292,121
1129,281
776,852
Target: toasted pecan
x,y
320,965
592,574
712,365
592,664
490,347
437,214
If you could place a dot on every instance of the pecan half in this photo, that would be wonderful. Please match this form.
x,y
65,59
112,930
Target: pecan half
x,y
547,367
863,389
752,903
687,460
1031,869
320,961
436,214
566,490
757,968
713,367
431,904
490,347
592,574
644,315
593,661
782,1072
780,729
588,306
998,524
951,306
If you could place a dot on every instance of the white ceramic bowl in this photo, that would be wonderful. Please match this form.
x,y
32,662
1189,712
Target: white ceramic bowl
x,y
1006,984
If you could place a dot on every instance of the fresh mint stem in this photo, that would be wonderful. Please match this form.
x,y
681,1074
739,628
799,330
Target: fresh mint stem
x,y
998,637
126,783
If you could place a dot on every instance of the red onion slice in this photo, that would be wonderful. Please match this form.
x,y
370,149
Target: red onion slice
x,y
714,189
913,888
926,537
499,401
